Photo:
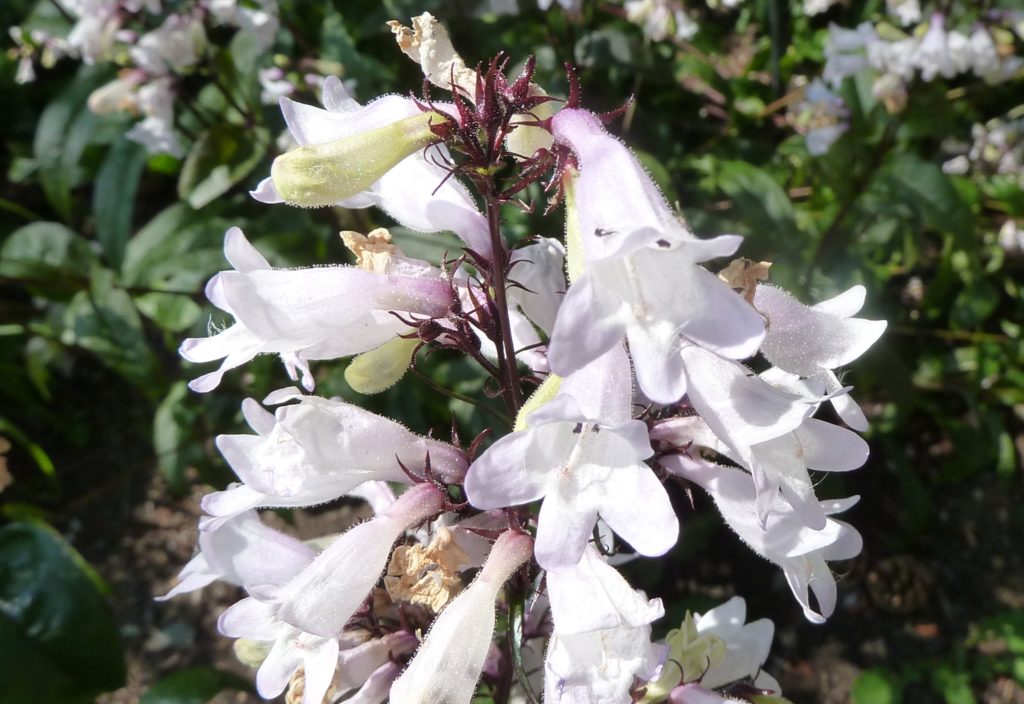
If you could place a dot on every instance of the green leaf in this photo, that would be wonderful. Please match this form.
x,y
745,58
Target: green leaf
x,y
875,687
172,435
63,132
113,197
195,685
48,259
104,321
171,311
177,250
923,186
759,199
221,157
58,639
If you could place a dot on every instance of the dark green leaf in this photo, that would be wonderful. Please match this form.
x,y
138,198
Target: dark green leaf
x,y
172,436
58,640
761,202
113,197
196,685
176,250
221,157
48,259
62,134
104,321
921,185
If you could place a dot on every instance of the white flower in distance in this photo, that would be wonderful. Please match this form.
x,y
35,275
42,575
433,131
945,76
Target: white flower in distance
x,y
846,51
307,314
319,450
416,192
446,668
173,46
583,454
813,341
641,280
242,551
787,541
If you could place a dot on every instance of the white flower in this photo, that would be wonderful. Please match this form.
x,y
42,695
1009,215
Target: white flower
x,y
292,648
800,551
599,666
242,551
984,61
322,597
174,45
95,33
584,455
715,650
813,341
447,666
537,282
591,595
846,51
908,11
156,131
933,55
641,280
766,430
274,85
820,116
258,19
319,450
816,7
308,314
416,192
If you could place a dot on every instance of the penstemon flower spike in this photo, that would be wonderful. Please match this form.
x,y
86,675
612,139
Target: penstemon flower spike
x,y
631,375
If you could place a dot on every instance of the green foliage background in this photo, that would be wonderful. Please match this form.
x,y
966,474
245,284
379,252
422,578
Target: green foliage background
x,y
104,252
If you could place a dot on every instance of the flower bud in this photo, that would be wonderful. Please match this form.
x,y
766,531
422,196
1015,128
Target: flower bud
x,y
318,175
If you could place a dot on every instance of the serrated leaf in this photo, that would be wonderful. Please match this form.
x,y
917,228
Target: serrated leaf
x,y
221,157
58,639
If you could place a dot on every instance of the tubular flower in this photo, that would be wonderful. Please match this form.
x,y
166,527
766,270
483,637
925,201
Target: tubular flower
x,y
448,664
308,314
319,450
813,341
641,279
415,191
800,551
584,455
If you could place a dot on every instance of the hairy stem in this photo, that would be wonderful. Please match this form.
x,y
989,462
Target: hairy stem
x,y
511,390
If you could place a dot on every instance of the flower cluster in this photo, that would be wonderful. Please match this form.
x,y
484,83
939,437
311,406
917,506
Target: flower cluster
x,y
152,48
630,372
930,51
